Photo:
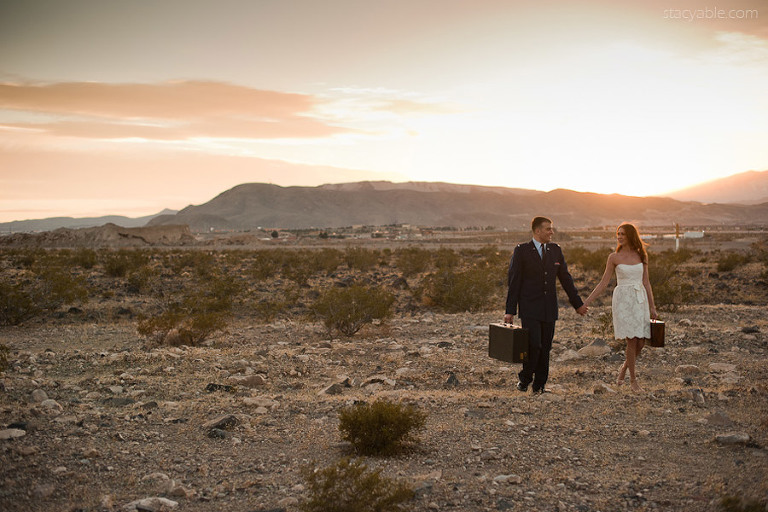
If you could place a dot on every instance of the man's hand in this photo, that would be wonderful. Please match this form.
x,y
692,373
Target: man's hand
x,y
582,310
509,319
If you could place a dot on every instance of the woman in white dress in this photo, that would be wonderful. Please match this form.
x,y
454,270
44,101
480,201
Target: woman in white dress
x,y
632,303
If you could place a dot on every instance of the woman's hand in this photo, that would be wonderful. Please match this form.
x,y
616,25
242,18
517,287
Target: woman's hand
x,y
654,316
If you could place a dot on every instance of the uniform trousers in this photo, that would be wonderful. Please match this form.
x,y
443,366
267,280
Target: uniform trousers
x,y
536,367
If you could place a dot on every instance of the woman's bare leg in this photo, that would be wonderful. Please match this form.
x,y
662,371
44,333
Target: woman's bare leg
x,y
632,349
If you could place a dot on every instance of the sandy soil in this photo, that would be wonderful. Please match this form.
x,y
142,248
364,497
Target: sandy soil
x,y
123,423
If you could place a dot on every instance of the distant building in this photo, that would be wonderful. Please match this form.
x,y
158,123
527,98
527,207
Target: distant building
x,y
693,234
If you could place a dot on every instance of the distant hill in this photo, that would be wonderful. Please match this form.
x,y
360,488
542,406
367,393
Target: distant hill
x,y
255,205
749,187
51,223
106,235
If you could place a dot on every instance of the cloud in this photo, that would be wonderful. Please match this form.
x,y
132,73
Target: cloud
x,y
165,111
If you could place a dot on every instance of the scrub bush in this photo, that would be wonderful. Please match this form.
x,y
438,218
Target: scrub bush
x,y
412,261
191,317
361,259
457,292
3,358
349,486
346,310
380,428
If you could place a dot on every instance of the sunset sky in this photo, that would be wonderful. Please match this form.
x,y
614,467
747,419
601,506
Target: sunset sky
x,y
118,107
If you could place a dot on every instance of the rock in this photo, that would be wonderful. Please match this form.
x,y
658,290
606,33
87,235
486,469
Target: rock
x,y
333,389
722,367
685,322
260,402
733,438
153,504
157,476
116,390
718,418
107,502
602,387
39,396
177,490
752,329
211,387
568,355
288,502
378,379
52,406
452,381
695,394
224,422
119,401
43,491
595,349
508,479
91,453
250,381
11,433
217,433
687,369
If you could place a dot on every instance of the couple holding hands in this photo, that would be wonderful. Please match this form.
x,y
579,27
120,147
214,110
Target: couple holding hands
x,y
532,296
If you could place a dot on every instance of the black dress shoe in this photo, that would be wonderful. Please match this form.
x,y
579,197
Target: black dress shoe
x,y
522,387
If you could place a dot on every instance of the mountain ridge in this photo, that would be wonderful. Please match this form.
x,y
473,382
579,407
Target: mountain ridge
x,y
255,205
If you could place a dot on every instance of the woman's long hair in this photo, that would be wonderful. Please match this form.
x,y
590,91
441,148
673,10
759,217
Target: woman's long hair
x,y
633,240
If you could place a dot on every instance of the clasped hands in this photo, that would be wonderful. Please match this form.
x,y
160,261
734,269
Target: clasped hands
x,y
582,310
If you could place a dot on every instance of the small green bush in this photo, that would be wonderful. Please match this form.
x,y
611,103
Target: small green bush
x,y
120,263
589,261
731,261
446,259
380,428
735,504
346,310
670,287
191,318
3,357
84,258
266,264
349,486
361,259
56,286
16,303
456,292
412,261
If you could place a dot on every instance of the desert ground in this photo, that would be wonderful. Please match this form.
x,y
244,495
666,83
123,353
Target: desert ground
x,y
95,417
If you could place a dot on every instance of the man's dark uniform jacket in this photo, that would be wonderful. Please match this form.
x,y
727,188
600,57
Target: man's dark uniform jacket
x,y
531,281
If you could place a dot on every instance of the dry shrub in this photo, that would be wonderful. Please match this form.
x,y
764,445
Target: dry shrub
x,y
589,261
120,263
380,428
349,486
456,292
736,504
3,358
346,310
412,261
732,261
45,289
189,319
671,288
362,259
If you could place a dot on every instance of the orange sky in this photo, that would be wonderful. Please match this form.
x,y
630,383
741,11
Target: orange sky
x,y
131,107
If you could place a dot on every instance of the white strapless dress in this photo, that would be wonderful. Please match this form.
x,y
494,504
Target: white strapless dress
x,y
631,313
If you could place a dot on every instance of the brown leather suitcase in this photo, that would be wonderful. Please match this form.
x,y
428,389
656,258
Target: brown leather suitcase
x,y
508,343
657,333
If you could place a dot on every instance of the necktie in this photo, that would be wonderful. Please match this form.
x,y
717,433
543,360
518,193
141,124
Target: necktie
x,y
543,249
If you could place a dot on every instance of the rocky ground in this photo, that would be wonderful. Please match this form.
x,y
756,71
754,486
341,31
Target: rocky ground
x,y
91,420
